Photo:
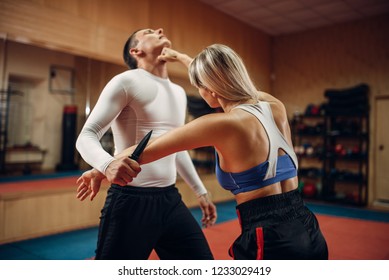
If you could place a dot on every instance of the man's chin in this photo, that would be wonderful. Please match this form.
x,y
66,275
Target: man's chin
x,y
167,43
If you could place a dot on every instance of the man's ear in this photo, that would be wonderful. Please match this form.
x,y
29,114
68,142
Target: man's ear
x,y
135,52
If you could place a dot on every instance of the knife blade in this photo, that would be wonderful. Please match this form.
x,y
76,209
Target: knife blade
x,y
141,146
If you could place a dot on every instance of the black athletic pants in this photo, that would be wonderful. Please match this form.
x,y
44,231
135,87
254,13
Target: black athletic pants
x,y
136,220
278,227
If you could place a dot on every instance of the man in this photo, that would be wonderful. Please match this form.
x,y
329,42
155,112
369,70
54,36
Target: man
x,y
144,212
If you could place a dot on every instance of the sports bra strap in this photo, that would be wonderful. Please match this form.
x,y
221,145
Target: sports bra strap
x,y
262,111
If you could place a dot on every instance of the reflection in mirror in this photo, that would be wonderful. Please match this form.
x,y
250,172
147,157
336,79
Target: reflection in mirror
x,y
20,114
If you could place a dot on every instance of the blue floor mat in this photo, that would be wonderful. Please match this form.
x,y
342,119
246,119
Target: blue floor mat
x,y
75,245
348,212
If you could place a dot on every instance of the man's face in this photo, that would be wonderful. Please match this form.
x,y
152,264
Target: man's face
x,y
150,40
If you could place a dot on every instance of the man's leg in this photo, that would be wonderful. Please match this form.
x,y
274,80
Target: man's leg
x,y
129,225
183,238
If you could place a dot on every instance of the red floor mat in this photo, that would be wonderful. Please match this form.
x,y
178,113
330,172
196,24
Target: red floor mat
x,y
348,239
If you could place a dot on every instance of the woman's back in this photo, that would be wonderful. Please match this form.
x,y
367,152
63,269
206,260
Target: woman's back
x,y
246,145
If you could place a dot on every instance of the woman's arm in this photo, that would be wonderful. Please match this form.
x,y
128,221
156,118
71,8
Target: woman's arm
x,y
208,130
171,55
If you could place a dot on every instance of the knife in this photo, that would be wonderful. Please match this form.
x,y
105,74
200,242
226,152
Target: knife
x,y
141,146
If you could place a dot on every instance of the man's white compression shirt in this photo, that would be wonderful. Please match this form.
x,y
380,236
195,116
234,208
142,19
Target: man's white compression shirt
x,y
133,103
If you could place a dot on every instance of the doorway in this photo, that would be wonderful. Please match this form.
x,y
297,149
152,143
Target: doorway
x,y
382,150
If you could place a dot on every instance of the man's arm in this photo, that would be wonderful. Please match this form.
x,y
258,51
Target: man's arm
x,y
111,102
188,172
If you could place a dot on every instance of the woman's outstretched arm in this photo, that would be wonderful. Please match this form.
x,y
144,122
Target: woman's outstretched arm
x,y
208,130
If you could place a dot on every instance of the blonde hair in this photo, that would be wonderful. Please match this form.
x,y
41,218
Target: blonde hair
x,y
221,70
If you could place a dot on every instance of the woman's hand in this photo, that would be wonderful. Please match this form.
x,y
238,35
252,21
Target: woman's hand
x,y
170,55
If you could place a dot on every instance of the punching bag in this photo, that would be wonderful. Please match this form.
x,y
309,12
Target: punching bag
x,y
69,124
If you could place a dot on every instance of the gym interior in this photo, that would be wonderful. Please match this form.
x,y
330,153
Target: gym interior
x,y
56,56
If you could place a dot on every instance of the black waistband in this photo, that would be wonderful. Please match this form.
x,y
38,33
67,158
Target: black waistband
x,y
271,209
143,190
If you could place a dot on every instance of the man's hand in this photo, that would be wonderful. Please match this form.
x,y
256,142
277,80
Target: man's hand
x,y
89,184
208,209
122,170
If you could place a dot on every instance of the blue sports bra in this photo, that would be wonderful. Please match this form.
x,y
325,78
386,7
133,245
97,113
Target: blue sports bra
x,y
275,169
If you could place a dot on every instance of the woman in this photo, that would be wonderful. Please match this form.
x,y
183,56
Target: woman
x,y
254,158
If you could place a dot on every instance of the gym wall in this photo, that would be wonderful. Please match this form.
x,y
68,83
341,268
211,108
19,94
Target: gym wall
x,y
91,35
342,56
336,57
98,29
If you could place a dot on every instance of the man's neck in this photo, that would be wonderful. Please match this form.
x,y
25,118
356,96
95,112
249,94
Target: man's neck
x,y
158,69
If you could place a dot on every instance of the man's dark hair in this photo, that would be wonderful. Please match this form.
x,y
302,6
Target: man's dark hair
x,y
128,58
